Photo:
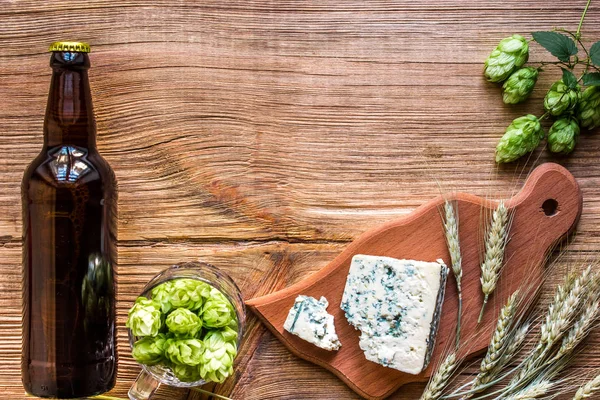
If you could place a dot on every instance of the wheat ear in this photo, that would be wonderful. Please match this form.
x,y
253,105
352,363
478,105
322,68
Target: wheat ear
x,y
499,343
517,340
532,391
579,330
440,379
560,296
486,379
495,244
588,389
452,239
561,313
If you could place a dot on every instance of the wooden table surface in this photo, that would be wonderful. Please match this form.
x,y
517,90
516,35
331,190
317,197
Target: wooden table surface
x,y
264,136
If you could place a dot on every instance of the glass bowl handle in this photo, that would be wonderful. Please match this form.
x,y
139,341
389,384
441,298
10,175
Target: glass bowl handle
x,y
144,387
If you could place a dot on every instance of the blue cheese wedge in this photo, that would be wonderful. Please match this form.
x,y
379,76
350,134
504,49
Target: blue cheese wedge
x,y
309,320
396,305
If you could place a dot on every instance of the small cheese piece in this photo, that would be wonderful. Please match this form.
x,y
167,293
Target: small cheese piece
x,y
396,305
309,320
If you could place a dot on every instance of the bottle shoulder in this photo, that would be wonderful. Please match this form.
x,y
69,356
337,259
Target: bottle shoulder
x,y
102,166
68,167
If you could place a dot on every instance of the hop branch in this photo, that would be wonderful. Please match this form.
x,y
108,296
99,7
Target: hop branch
x,y
565,102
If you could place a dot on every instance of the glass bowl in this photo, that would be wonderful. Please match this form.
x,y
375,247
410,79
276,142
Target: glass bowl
x,y
152,376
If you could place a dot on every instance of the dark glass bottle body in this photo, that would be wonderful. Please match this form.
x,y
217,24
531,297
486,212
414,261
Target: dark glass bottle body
x,y
69,247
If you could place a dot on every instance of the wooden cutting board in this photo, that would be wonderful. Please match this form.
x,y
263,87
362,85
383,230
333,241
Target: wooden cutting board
x,y
544,211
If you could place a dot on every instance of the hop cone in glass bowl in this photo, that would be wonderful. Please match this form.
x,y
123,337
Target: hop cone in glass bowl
x,y
186,326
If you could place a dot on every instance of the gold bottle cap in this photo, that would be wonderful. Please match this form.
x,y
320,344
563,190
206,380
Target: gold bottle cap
x,y
75,47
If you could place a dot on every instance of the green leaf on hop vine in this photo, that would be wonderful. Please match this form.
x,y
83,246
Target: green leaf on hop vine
x,y
569,79
560,46
591,79
595,54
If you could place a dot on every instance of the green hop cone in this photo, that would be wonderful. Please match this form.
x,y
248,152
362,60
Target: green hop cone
x,y
217,359
522,136
560,98
184,351
229,334
183,322
588,111
510,54
519,85
149,350
217,311
181,293
563,135
162,295
189,293
144,318
233,324
185,373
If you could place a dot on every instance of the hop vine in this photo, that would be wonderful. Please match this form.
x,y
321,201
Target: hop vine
x,y
571,108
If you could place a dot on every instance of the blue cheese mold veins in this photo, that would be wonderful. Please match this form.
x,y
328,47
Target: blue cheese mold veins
x,y
309,320
396,305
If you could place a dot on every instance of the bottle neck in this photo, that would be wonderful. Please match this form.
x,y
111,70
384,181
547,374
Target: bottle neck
x,y
69,114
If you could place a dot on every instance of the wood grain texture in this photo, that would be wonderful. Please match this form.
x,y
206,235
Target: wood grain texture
x,y
420,235
264,136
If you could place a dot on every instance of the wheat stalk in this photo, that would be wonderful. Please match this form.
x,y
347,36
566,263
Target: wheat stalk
x,y
532,391
495,244
588,389
452,239
210,394
440,379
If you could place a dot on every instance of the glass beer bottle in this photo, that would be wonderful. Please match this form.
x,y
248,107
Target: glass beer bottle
x,y
69,244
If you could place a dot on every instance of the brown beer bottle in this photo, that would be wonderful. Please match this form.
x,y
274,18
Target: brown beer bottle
x,y
69,244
